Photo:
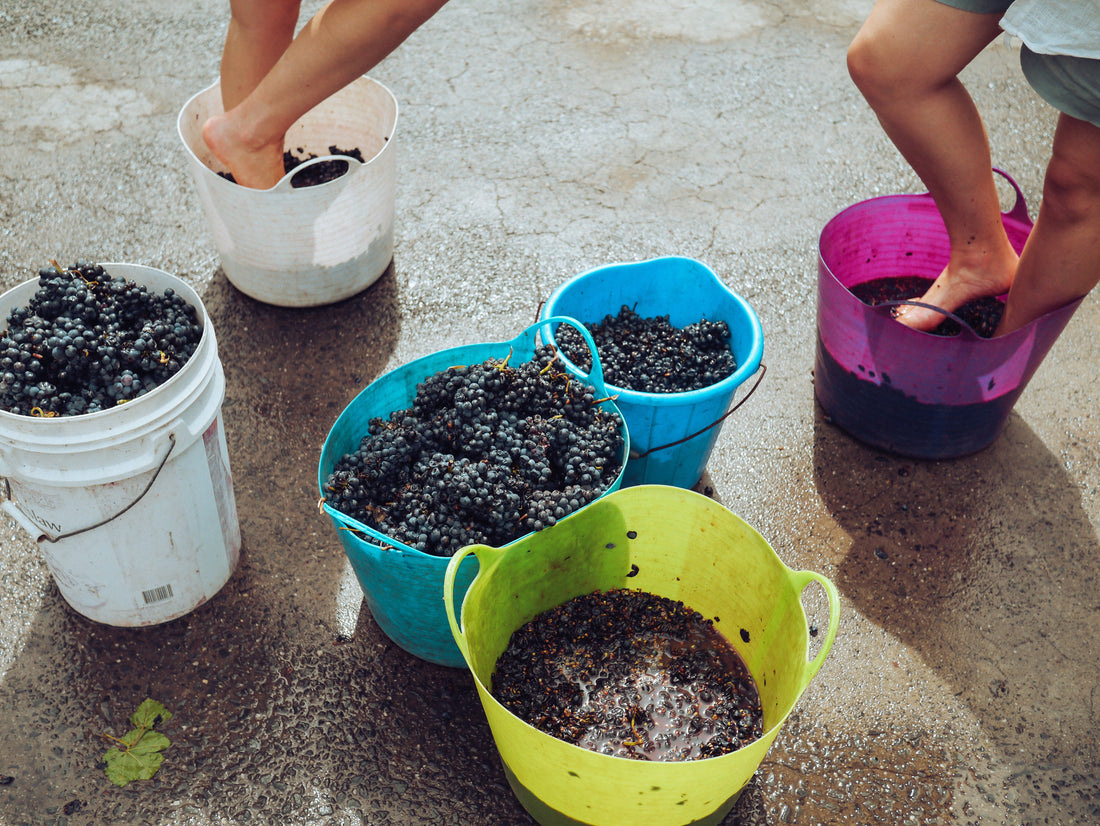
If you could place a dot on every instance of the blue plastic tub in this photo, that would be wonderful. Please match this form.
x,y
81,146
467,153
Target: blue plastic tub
x,y
403,587
685,290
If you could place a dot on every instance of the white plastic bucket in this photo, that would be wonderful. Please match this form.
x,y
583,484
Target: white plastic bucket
x,y
315,244
132,507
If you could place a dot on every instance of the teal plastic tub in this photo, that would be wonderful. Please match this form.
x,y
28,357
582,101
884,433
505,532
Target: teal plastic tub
x,y
402,586
672,435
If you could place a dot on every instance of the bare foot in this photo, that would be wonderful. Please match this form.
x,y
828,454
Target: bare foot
x,y
259,167
956,286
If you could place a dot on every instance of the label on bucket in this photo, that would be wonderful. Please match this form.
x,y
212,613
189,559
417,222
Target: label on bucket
x,y
157,594
222,484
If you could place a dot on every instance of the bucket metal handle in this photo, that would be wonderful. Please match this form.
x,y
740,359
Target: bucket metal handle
x,y
800,580
41,535
634,454
898,302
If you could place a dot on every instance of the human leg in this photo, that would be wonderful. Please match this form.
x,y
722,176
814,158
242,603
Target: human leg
x,y
258,34
343,41
1061,259
905,60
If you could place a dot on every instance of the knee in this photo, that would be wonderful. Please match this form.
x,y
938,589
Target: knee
x,y
869,69
1071,191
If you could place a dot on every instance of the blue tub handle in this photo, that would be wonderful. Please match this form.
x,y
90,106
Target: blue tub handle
x,y
759,378
595,375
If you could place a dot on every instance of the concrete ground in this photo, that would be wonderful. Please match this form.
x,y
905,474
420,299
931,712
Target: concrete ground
x,y
536,141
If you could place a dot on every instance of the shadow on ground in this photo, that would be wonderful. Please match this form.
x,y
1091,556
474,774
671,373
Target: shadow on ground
x,y
989,568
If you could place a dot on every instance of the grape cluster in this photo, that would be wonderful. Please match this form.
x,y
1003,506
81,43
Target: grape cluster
x,y
87,341
649,355
486,453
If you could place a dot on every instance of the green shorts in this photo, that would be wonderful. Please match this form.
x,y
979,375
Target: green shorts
x,y
979,6
1069,84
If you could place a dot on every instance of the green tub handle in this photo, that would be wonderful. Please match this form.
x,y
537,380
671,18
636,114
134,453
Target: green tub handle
x,y
800,580
486,556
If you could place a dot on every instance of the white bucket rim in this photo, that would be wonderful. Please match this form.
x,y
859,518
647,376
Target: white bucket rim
x,y
103,419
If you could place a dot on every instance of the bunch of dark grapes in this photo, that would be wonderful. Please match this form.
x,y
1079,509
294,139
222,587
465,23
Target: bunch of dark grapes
x,y
87,341
487,453
649,355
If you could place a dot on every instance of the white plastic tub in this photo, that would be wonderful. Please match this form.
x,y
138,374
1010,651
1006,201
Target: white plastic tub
x,y
312,245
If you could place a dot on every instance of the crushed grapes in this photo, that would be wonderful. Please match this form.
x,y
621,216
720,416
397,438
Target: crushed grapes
x,y
630,674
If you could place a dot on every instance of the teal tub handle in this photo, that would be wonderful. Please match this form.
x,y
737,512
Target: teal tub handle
x,y
595,375
800,580
486,555
351,524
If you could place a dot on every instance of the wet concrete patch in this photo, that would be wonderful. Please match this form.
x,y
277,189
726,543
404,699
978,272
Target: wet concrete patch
x,y
539,142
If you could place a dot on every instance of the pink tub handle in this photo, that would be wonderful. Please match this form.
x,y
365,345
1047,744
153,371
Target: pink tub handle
x,y
1019,209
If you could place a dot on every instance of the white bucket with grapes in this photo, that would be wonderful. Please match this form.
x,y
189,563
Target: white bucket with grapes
x,y
112,451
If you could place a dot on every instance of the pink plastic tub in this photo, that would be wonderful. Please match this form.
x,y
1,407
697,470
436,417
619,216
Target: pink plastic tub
x,y
898,389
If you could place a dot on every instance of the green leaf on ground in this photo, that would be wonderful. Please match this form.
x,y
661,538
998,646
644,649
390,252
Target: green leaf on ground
x,y
147,714
138,754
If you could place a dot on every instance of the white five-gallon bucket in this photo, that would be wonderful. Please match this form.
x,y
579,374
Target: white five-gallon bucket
x,y
311,245
132,507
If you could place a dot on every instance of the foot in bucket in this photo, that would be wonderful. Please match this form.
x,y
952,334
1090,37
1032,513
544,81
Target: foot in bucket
x,y
912,86
906,60
270,78
990,274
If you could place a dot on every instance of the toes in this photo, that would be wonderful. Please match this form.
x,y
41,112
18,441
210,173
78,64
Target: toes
x,y
918,318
